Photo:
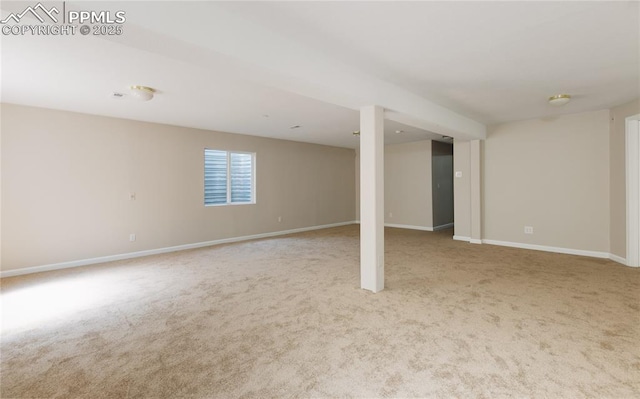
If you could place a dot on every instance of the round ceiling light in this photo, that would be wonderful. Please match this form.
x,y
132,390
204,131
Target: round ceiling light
x,y
142,93
559,99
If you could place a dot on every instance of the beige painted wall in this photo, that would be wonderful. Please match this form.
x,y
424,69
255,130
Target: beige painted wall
x,y
462,189
407,184
66,179
617,195
357,173
552,174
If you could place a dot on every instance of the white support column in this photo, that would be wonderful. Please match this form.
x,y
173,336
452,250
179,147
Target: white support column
x,y
372,198
632,155
476,194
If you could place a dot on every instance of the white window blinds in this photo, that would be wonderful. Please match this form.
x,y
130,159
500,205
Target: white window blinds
x,y
228,177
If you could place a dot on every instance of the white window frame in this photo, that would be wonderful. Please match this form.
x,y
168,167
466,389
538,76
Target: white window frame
x,y
253,177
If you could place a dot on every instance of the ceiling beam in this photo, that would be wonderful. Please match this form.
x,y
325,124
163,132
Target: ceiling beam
x,y
210,35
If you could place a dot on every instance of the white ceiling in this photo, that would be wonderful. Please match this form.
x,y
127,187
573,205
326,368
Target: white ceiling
x,y
225,65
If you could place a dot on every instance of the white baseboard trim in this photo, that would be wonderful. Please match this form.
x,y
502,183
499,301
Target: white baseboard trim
x,y
443,227
618,259
569,251
408,226
467,239
131,255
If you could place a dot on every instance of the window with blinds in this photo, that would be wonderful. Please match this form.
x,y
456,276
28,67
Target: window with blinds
x,y
228,177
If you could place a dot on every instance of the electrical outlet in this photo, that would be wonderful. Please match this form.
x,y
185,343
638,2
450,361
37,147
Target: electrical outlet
x,y
132,237
279,219
390,214
528,230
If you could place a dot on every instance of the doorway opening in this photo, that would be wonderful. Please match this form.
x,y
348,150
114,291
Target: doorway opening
x,y
442,185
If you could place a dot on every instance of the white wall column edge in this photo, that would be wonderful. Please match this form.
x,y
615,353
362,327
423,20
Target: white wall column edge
x,y
476,191
632,156
372,198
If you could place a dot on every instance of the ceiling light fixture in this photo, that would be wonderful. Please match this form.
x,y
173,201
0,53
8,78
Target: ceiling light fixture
x,y
142,93
559,99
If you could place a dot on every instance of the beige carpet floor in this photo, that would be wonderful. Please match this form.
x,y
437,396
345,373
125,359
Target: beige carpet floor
x,y
285,318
